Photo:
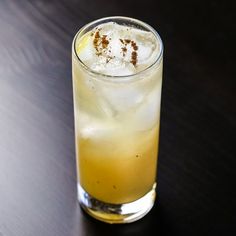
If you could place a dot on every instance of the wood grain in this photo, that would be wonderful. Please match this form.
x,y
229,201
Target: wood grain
x,y
37,161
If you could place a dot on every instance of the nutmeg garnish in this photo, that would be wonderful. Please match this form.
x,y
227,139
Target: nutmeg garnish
x,y
101,45
104,41
134,45
124,50
134,56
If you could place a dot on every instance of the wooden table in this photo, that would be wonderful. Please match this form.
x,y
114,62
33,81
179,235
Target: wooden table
x,y
197,141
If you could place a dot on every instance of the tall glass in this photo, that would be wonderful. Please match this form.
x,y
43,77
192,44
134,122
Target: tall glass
x,y
117,121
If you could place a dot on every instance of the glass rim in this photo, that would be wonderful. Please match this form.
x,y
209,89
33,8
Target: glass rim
x,y
118,78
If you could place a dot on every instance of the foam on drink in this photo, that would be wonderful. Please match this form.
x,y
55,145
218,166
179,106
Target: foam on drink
x,y
117,50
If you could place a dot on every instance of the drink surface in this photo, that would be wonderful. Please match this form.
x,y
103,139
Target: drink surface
x,y
117,50
117,124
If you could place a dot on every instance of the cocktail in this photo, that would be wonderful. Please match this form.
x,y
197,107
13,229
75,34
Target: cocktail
x,y
117,81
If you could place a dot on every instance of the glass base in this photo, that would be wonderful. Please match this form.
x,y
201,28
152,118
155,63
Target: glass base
x,y
116,213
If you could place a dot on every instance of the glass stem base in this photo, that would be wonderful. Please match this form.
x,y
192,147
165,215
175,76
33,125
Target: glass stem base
x,y
116,213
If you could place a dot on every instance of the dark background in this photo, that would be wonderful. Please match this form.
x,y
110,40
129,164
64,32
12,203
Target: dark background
x,y
197,159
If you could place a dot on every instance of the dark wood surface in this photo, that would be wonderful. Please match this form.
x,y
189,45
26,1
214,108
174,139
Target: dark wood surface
x,y
196,170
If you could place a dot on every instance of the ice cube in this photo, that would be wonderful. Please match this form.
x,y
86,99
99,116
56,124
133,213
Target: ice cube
x,y
126,50
123,97
94,128
148,113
